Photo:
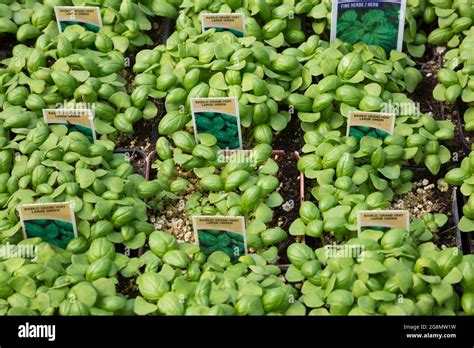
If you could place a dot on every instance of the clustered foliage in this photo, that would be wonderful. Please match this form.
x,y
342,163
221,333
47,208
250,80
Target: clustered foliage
x,y
278,73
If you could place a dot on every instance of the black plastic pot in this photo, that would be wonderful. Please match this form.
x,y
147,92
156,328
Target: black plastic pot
x,y
300,180
296,156
456,218
467,138
140,155
149,161
167,27
467,238
4,54
420,173
137,154
458,119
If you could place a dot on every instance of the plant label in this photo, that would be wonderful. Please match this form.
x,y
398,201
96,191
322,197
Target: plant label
x,y
85,16
375,22
382,220
223,233
76,120
233,22
53,222
219,117
377,125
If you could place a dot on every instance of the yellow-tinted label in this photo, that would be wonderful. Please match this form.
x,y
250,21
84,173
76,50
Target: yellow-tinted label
x,y
219,117
55,223
85,16
375,124
221,233
233,22
78,120
382,220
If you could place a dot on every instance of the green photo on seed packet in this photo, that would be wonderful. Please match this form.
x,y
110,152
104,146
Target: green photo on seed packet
x,y
221,233
379,22
377,125
87,17
219,117
76,120
54,223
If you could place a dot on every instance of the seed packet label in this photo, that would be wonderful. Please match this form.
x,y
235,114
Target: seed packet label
x,y
233,22
219,117
85,16
76,120
382,220
374,124
376,22
221,233
53,222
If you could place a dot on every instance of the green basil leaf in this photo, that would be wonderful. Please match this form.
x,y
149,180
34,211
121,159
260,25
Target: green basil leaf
x,y
297,228
85,177
137,242
372,266
274,200
142,307
312,300
390,172
466,224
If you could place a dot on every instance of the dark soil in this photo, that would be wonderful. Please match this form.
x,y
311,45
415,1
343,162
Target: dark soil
x,y
431,196
137,160
127,286
467,137
327,239
5,54
139,164
160,104
439,201
430,54
8,42
423,95
153,171
162,28
289,177
122,249
146,131
424,91
141,137
128,73
466,237
290,139
307,22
